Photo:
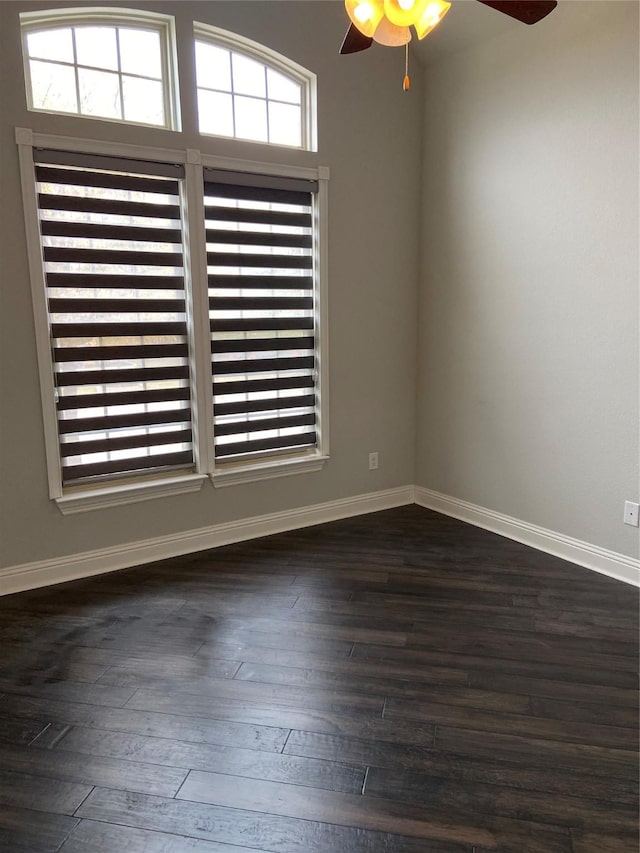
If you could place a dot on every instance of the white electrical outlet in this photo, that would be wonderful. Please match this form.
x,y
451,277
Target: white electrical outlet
x,y
631,513
373,461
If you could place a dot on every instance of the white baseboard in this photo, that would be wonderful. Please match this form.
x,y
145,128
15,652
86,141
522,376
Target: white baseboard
x,y
61,569
609,563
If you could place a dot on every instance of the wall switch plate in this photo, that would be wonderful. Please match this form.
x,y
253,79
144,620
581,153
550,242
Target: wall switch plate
x,y
631,513
373,461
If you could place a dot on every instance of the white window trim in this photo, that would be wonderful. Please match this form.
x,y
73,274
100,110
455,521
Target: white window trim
x,y
272,59
163,24
82,498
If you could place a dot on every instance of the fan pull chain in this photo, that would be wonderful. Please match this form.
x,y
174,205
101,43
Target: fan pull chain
x,y
406,83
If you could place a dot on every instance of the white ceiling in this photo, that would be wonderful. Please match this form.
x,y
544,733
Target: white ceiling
x,y
466,23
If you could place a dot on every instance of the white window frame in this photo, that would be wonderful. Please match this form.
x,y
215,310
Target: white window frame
x,y
276,61
164,25
81,498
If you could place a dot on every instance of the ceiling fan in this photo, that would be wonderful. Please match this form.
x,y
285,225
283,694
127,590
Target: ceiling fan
x,y
388,21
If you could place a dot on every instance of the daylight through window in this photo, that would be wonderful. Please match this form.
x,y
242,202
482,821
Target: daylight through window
x,y
100,69
247,92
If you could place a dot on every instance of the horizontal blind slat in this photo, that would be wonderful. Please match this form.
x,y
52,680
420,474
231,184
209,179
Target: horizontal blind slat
x,y
264,365
252,386
92,230
131,442
264,424
236,259
258,238
118,207
74,378
243,180
72,255
257,324
104,330
116,353
69,426
179,459
257,217
257,282
236,448
125,166
261,344
121,398
105,180
116,306
115,280
270,404
261,303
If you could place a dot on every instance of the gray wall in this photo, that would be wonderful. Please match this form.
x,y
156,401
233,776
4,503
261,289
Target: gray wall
x,y
369,136
527,382
528,353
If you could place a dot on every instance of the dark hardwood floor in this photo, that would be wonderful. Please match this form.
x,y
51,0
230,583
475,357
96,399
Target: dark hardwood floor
x,y
395,683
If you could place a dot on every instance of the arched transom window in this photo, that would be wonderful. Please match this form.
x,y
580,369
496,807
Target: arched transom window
x,y
101,64
247,91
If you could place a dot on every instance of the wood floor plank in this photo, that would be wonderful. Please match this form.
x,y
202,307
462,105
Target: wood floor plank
x,y
19,732
606,674
39,793
208,694
596,842
130,775
615,696
189,728
387,682
500,655
28,831
397,775
48,667
585,712
467,637
166,666
71,691
424,830
273,640
295,770
270,832
92,836
323,668
537,752
359,750
320,630
536,806
508,723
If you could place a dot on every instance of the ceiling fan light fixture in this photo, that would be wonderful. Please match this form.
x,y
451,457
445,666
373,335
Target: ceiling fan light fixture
x,y
365,15
403,13
391,35
433,13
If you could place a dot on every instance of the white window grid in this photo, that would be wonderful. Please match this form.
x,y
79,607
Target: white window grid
x,y
117,20
271,61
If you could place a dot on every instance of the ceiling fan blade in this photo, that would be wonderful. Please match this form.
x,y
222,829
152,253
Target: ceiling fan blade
x,y
527,11
355,41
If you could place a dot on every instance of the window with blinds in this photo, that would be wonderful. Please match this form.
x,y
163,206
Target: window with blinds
x,y
112,235
260,264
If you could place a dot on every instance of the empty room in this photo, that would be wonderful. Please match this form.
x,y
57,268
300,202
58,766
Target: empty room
x,y
319,426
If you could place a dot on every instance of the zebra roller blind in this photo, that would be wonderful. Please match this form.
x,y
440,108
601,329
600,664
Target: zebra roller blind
x,y
260,262
111,233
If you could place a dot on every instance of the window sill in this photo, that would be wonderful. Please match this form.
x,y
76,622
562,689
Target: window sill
x,y
86,499
267,470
